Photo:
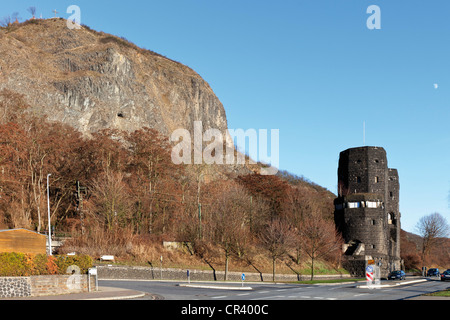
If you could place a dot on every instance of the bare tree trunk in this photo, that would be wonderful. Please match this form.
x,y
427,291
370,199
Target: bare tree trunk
x,y
226,265
273,269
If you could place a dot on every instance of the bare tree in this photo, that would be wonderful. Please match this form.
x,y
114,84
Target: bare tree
x,y
32,10
431,228
5,21
15,17
277,238
111,199
228,224
319,238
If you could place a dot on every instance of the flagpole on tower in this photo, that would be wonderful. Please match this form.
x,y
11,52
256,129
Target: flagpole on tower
x,y
364,133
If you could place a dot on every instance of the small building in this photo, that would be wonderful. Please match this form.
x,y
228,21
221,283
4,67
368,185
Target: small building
x,y
22,241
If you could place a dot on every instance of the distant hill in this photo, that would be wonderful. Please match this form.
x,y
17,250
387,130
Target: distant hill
x,y
411,252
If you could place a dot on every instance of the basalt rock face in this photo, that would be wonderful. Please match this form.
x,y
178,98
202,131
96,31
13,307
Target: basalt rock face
x,y
92,80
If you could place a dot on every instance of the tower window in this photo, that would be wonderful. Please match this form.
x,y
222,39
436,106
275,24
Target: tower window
x,y
372,204
358,179
377,179
353,205
391,218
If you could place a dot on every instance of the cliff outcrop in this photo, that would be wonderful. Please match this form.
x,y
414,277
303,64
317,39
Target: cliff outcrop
x,y
93,80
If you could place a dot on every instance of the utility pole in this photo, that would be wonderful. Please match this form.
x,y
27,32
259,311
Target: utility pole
x,y
49,219
364,133
80,205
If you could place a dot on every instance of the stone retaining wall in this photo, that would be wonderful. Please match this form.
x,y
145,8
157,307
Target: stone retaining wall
x,y
147,273
36,286
15,287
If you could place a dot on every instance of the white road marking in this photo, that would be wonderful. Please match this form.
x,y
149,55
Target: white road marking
x,y
268,298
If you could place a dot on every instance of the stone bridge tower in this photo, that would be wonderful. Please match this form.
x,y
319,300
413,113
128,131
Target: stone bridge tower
x,y
367,209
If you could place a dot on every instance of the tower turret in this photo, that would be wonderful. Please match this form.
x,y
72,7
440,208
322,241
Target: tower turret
x,y
367,209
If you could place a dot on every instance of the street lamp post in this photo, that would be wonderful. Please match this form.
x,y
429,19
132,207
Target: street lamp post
x,y
49,224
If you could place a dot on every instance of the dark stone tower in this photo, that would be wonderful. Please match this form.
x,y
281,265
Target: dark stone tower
x,y
367,209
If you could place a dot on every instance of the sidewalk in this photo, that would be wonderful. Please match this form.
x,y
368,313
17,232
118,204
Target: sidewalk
x,y
433,298
103,293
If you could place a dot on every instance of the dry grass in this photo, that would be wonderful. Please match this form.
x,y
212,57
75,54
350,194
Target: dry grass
x,y
130,249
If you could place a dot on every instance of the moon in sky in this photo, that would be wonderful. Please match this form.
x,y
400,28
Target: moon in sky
x,y
435,85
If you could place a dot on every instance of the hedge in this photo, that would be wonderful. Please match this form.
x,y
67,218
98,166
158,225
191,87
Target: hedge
x,y
20,264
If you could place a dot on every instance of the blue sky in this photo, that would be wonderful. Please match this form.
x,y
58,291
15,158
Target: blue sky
x,y
313,70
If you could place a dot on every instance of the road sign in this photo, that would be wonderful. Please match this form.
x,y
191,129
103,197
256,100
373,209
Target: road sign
x,y
369,274
243,277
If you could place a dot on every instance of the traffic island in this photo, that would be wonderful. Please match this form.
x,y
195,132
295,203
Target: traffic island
x,y
210,286
394,284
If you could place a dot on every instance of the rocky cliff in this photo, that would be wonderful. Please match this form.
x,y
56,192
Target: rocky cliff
x,y
92,80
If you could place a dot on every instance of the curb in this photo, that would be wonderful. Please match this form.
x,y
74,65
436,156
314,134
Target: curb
x,y
135,296
390,285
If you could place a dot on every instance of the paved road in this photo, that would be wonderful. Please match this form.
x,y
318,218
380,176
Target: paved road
x,y
266,291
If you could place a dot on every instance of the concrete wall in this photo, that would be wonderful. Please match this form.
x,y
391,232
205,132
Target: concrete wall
x,y
37,286
147,273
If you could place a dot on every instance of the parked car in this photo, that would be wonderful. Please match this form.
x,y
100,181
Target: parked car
x,y
445,275
433,272
397,275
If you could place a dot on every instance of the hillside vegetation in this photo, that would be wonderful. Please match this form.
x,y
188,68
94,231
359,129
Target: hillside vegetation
x,y
119,193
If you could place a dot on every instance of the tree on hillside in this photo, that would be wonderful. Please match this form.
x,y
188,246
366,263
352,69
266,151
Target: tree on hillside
x,y
47,155
15,200
318,238
229,218
432,228
110,197
32,11
408,252
277,238
154,178
271,188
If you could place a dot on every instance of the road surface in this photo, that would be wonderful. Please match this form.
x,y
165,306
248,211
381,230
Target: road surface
x,y
269,291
